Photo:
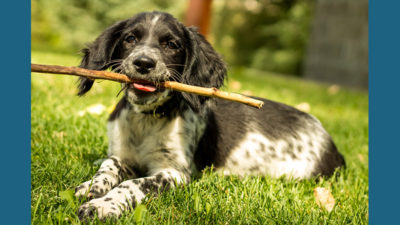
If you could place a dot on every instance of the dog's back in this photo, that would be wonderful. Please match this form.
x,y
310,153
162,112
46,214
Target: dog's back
x,y
275,140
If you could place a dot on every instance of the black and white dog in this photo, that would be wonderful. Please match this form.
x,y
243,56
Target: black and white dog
x,y
158,138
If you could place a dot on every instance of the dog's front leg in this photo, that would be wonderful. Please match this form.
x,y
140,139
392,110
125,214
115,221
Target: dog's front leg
x,y
109,175
131,192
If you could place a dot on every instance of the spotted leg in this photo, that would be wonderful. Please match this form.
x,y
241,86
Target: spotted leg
x,y
110,174
131,192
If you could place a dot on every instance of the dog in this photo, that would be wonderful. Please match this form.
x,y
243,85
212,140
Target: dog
x,y
159,138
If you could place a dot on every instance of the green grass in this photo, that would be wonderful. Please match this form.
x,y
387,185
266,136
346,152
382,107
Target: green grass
x,y
66,147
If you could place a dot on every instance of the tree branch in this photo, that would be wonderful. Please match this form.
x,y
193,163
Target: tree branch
x,y
105,75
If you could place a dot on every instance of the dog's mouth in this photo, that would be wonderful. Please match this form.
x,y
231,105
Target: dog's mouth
x,y
146,94
144,87
144,84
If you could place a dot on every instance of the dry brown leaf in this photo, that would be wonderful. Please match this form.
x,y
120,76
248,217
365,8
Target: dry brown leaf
x,y
324,198
304,106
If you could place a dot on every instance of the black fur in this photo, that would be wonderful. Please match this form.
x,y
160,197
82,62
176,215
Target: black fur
x,y
98,55
204,67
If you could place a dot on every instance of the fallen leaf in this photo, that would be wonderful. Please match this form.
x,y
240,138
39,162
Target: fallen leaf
x,y
304,106
59,135
324,198
361,157
96,109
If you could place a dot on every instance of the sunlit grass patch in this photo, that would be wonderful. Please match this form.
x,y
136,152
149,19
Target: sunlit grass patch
x,y
67,139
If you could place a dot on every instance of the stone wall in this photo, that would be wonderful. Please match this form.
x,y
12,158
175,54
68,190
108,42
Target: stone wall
x,y
338,46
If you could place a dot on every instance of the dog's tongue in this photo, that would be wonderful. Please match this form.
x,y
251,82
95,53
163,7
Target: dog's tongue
x,y
143,87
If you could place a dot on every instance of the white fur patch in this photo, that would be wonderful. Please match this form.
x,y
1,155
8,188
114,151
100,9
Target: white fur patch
x,y
151,29
258,155
154,20
105,179
154,143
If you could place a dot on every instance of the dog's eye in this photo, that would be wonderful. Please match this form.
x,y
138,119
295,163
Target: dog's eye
x,y
131,39
171,45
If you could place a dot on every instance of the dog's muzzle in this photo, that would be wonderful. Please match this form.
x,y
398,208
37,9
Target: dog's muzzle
x,y
144,64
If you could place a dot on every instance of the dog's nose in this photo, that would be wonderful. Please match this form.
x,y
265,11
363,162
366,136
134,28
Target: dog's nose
x,y
144,64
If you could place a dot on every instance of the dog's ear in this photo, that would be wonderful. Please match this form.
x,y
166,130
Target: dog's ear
x,y
204,67
97,55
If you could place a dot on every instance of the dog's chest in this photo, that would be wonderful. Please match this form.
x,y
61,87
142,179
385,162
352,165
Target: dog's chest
x,y
150,142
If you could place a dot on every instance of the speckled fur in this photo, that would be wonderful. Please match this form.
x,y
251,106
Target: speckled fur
x,y
157,141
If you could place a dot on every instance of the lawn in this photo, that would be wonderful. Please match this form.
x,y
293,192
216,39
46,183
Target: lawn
x,y
68,141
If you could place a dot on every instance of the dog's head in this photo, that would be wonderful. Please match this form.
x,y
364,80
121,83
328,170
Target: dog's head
x,y
155,47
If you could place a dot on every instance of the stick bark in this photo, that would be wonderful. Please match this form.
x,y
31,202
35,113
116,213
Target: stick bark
x,y
105,75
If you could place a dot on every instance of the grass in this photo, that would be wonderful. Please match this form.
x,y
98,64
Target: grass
x,y
67,145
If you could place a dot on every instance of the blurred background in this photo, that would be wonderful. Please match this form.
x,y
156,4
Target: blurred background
x,y
320,40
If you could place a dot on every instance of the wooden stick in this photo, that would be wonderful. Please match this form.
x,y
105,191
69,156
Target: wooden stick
x,y
105,75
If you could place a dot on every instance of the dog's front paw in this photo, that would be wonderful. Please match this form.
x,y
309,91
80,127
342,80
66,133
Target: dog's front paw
x,y
102,207
90,190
